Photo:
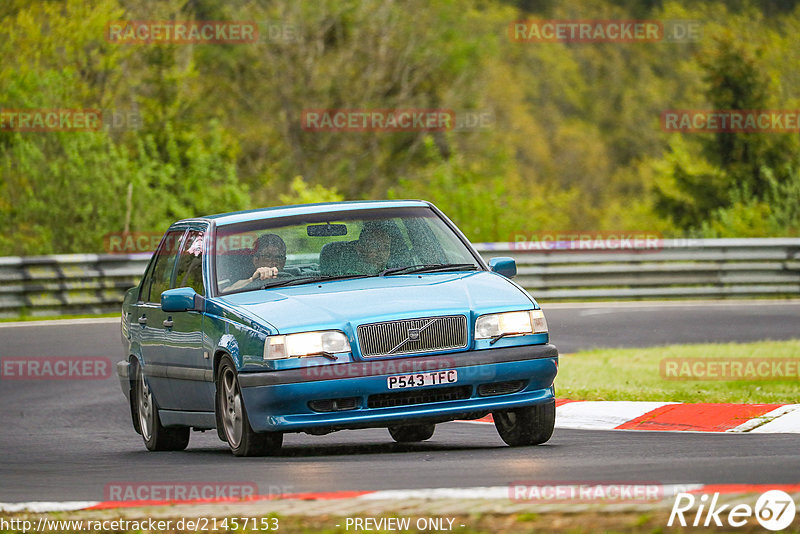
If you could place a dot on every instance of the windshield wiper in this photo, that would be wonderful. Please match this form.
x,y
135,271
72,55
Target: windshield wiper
x,y
429,268
312,279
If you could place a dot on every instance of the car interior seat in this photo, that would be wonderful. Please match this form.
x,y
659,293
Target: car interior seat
x,y
336,257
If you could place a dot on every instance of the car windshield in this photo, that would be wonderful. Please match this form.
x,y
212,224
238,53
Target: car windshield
x,y
349,244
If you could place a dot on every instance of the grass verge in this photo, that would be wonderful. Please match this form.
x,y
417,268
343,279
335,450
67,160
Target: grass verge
x,y
638,374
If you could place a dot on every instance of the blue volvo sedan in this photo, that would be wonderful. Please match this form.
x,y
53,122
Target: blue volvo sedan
x,y
324,317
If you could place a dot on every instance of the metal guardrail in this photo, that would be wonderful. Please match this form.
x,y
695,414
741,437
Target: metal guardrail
x,y
566,270
67,284
669,268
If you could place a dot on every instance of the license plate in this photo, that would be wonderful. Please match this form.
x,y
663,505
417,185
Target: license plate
x,y
418,380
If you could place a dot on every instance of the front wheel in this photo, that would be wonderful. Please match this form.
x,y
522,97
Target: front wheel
x,y
241,437
412,433
529,425
156,437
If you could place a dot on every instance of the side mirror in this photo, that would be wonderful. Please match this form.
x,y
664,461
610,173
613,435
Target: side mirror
x,y
178,299
505,266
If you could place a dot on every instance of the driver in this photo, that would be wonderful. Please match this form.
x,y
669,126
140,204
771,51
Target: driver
x,y
269,257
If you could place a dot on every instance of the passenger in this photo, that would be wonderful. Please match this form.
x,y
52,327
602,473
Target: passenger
x,y
372,250
269,258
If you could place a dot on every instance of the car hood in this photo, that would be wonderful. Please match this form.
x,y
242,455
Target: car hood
x,y
335,304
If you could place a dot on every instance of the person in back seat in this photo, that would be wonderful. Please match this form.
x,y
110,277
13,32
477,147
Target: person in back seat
x,y
372,250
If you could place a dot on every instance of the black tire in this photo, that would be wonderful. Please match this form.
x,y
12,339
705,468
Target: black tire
x,y
412,433
529,425
156,437
241,437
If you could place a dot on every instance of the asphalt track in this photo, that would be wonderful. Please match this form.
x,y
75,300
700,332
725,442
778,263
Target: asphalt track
x,y
67,440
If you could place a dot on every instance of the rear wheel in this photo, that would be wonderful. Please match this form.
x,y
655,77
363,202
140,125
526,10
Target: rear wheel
x,y
241,438
156,437
412,433
529,425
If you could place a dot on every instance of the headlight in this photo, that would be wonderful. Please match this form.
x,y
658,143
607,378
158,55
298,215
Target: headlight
x,y
496,325
326,343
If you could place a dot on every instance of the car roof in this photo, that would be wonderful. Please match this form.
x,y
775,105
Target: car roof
x,y
305,209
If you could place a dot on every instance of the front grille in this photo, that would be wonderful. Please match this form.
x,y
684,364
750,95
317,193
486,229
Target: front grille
x,y
419,396
412,336
334,405
500,388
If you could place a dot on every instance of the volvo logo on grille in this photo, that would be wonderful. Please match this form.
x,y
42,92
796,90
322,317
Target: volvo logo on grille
x,y
412,335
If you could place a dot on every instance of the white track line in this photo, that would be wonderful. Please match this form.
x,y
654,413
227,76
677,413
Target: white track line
x,y
786,422
602,415
41,507
755,422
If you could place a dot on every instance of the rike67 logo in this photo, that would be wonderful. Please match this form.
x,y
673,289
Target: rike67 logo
x,y
774,510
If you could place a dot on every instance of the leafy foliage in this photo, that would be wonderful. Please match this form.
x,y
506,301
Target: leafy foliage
x,y
573,143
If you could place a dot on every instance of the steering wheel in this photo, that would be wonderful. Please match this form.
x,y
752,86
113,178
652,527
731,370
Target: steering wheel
x,y
259,281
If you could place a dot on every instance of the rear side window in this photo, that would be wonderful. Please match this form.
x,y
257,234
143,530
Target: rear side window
x,y
165,257
190,262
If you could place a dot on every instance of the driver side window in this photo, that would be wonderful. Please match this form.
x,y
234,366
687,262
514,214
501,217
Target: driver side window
x,y
165,257
190,264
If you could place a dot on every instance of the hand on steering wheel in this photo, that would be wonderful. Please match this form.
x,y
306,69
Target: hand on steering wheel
x,y
264,273
272,271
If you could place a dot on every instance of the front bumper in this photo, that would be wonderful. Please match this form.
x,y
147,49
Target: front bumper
x,y
279,400
123,374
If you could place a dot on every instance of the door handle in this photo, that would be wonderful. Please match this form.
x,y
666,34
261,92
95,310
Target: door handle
x,y
143,320
167,323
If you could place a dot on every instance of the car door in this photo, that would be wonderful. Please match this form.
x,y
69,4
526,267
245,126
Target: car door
x,y
150,318
189,366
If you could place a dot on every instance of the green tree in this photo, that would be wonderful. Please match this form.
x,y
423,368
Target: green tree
x,y
730,180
